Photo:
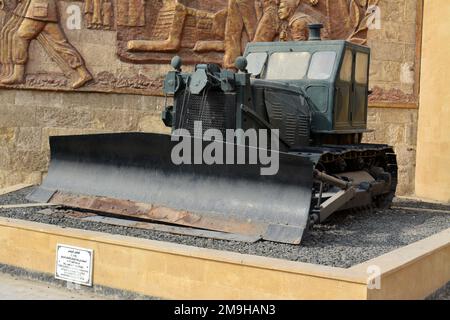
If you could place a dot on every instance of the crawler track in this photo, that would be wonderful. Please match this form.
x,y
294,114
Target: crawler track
x,y
336,159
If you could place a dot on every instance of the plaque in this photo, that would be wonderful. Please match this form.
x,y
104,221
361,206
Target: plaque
x,y
74,264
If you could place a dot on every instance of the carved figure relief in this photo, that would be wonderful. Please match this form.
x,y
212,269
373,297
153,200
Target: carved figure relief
x,y
179,26
131,13
99,14
295,20
37,19
194,29
217,30
152,32
361,12
241,18
168,30
268,21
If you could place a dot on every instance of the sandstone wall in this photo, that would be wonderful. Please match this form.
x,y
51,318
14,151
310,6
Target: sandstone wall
x,y
433,156
28,118
394,78
393,65
397,127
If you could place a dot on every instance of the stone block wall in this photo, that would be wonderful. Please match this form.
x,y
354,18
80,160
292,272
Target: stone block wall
x,y
394,78
393,64
398,128
28,118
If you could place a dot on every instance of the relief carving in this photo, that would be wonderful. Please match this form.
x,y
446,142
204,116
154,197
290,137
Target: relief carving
x,y
296,16
361,13
153,31
225,30
241,21
248,21
268,21
174,26
218,30
37,20
131,13
99,14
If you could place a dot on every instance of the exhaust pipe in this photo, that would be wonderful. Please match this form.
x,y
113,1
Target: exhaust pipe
x,y
314,31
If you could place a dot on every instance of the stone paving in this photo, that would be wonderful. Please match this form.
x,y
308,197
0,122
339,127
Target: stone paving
x,y
14,288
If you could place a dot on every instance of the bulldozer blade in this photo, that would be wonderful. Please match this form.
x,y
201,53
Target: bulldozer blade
x,y
133,175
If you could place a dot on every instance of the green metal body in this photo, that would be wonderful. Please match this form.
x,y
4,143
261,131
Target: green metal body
x,y
326,79
339,105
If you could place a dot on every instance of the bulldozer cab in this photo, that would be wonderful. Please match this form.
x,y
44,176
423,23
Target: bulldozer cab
x,y
333,74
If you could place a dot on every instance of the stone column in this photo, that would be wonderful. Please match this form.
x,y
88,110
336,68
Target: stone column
x,y
433,150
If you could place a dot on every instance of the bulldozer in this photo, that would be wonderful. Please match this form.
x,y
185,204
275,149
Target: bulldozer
x,y
312,99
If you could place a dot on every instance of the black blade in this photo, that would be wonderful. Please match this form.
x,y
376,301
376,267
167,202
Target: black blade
x,y
138,167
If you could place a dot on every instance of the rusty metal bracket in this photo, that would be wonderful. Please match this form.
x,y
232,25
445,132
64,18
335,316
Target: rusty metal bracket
x,y
336,202
323,177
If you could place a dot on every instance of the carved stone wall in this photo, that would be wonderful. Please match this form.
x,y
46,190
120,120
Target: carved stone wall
x,y
107,75
122,43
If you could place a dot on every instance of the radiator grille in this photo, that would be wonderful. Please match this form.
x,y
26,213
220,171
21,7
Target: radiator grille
x,y
210,108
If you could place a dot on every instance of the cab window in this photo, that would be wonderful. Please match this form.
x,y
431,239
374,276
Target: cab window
x,y
362,65
347,65
256,62
288,65
322,64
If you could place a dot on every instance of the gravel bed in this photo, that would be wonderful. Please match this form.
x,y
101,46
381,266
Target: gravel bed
x,y
18,197
345,240
443,294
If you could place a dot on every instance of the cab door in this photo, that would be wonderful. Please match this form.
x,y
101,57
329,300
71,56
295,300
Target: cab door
x,y
360,88
344,93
